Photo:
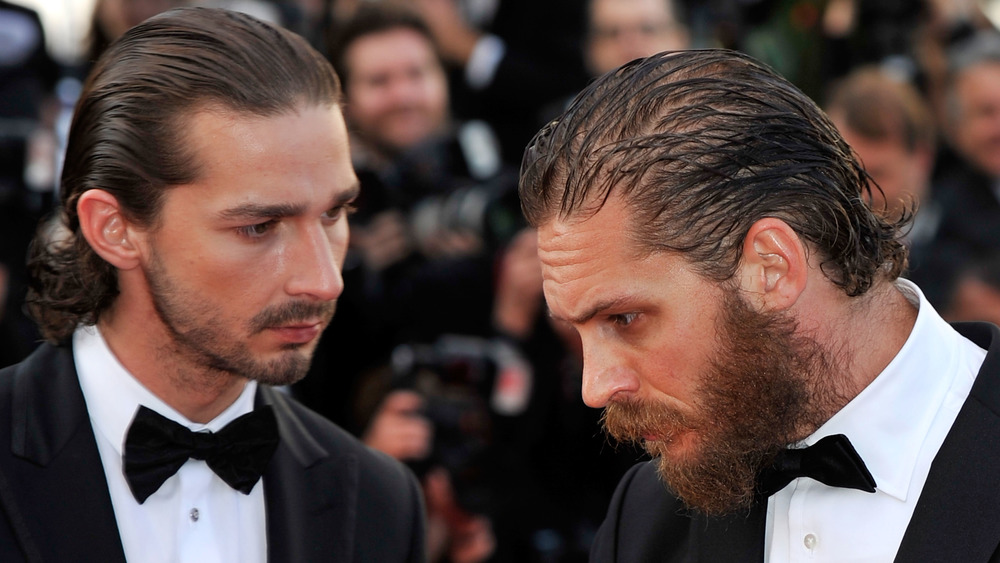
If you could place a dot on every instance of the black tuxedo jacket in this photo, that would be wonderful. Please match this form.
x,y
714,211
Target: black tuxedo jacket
x,y
542,66
328,498
957,517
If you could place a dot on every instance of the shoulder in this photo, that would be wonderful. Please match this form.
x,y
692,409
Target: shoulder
x,y
641,494
46,356
986,336
379,475
42,368
643,519
322,462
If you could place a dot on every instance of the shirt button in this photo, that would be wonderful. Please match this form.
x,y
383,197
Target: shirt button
x,y
194,514
810,541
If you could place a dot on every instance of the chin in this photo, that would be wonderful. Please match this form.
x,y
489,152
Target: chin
x,y
681,447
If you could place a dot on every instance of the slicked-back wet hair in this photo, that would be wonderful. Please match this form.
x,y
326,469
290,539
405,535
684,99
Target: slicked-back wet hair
x,y
128,134
700,145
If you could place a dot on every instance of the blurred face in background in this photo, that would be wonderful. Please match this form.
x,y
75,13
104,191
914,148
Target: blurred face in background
x,y
397,93
973,299
903,175
976,116
623,30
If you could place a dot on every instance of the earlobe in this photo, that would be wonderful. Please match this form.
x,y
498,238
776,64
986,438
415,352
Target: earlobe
x,y
107,230
774,268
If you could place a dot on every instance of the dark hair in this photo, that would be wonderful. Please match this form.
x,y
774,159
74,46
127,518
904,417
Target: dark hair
x,y
369,19
881,107
700,145
127,134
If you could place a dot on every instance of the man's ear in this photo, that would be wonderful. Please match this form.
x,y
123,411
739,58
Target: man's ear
x,y
774,268
107,230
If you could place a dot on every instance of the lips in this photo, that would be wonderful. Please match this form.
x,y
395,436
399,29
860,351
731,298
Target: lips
x,y
298,333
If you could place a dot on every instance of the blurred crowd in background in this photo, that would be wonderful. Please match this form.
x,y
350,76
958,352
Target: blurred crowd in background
x,y
441,353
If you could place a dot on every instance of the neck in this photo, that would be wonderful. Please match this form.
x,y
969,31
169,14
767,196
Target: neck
x,y
861,337
148,352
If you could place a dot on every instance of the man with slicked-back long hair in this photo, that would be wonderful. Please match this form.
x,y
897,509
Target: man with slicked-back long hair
x,y
195,262
710,235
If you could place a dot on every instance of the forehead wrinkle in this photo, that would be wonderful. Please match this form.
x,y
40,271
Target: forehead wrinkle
x,y
565,254
575,284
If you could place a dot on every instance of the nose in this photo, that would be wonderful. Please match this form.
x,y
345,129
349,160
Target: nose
x,y
316,268
405,90
605,374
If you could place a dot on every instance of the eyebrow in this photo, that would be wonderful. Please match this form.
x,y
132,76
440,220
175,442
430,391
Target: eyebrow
x,y
253,210
602,305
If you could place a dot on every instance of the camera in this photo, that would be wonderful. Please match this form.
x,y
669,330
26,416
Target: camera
x,y
466,382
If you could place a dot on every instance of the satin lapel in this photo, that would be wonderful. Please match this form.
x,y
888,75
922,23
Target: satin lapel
x,y
311,493
956,517
55,475
734,539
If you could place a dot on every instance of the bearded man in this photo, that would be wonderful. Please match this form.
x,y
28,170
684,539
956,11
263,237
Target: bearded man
x,y
710,235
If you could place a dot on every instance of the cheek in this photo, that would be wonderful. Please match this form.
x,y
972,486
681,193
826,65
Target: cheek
x,y
366,106
666,370
981,131
676,362
206,261
437,97
239,277
236,274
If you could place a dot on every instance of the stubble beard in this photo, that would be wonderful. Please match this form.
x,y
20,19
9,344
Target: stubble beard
x,y
198,337
767,387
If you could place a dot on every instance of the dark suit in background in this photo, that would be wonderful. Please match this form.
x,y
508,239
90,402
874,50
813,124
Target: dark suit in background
x,y
541,68
969,231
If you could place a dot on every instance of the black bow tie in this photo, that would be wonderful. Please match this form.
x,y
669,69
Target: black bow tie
x,y
156,447
832,461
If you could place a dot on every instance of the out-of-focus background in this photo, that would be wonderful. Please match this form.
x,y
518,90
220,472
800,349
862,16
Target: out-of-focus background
x,y
442,353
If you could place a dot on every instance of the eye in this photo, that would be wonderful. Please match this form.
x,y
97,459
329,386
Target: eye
x,y
334,214
256,230
623,320
378,81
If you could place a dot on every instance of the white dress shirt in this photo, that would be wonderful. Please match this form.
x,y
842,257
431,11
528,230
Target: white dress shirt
x,y
897,424
195,516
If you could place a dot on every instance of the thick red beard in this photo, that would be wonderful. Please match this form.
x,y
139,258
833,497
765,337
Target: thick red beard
x,y
761,393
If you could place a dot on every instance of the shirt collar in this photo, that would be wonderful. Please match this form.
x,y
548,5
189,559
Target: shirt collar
x,y
890,419
113,395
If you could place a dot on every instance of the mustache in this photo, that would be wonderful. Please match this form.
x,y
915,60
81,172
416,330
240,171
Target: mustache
x,y
630,421
290,313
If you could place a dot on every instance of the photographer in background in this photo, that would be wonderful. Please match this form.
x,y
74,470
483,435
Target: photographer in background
x,y
435,200
492,423
441,353
511,62
436,205
402,131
